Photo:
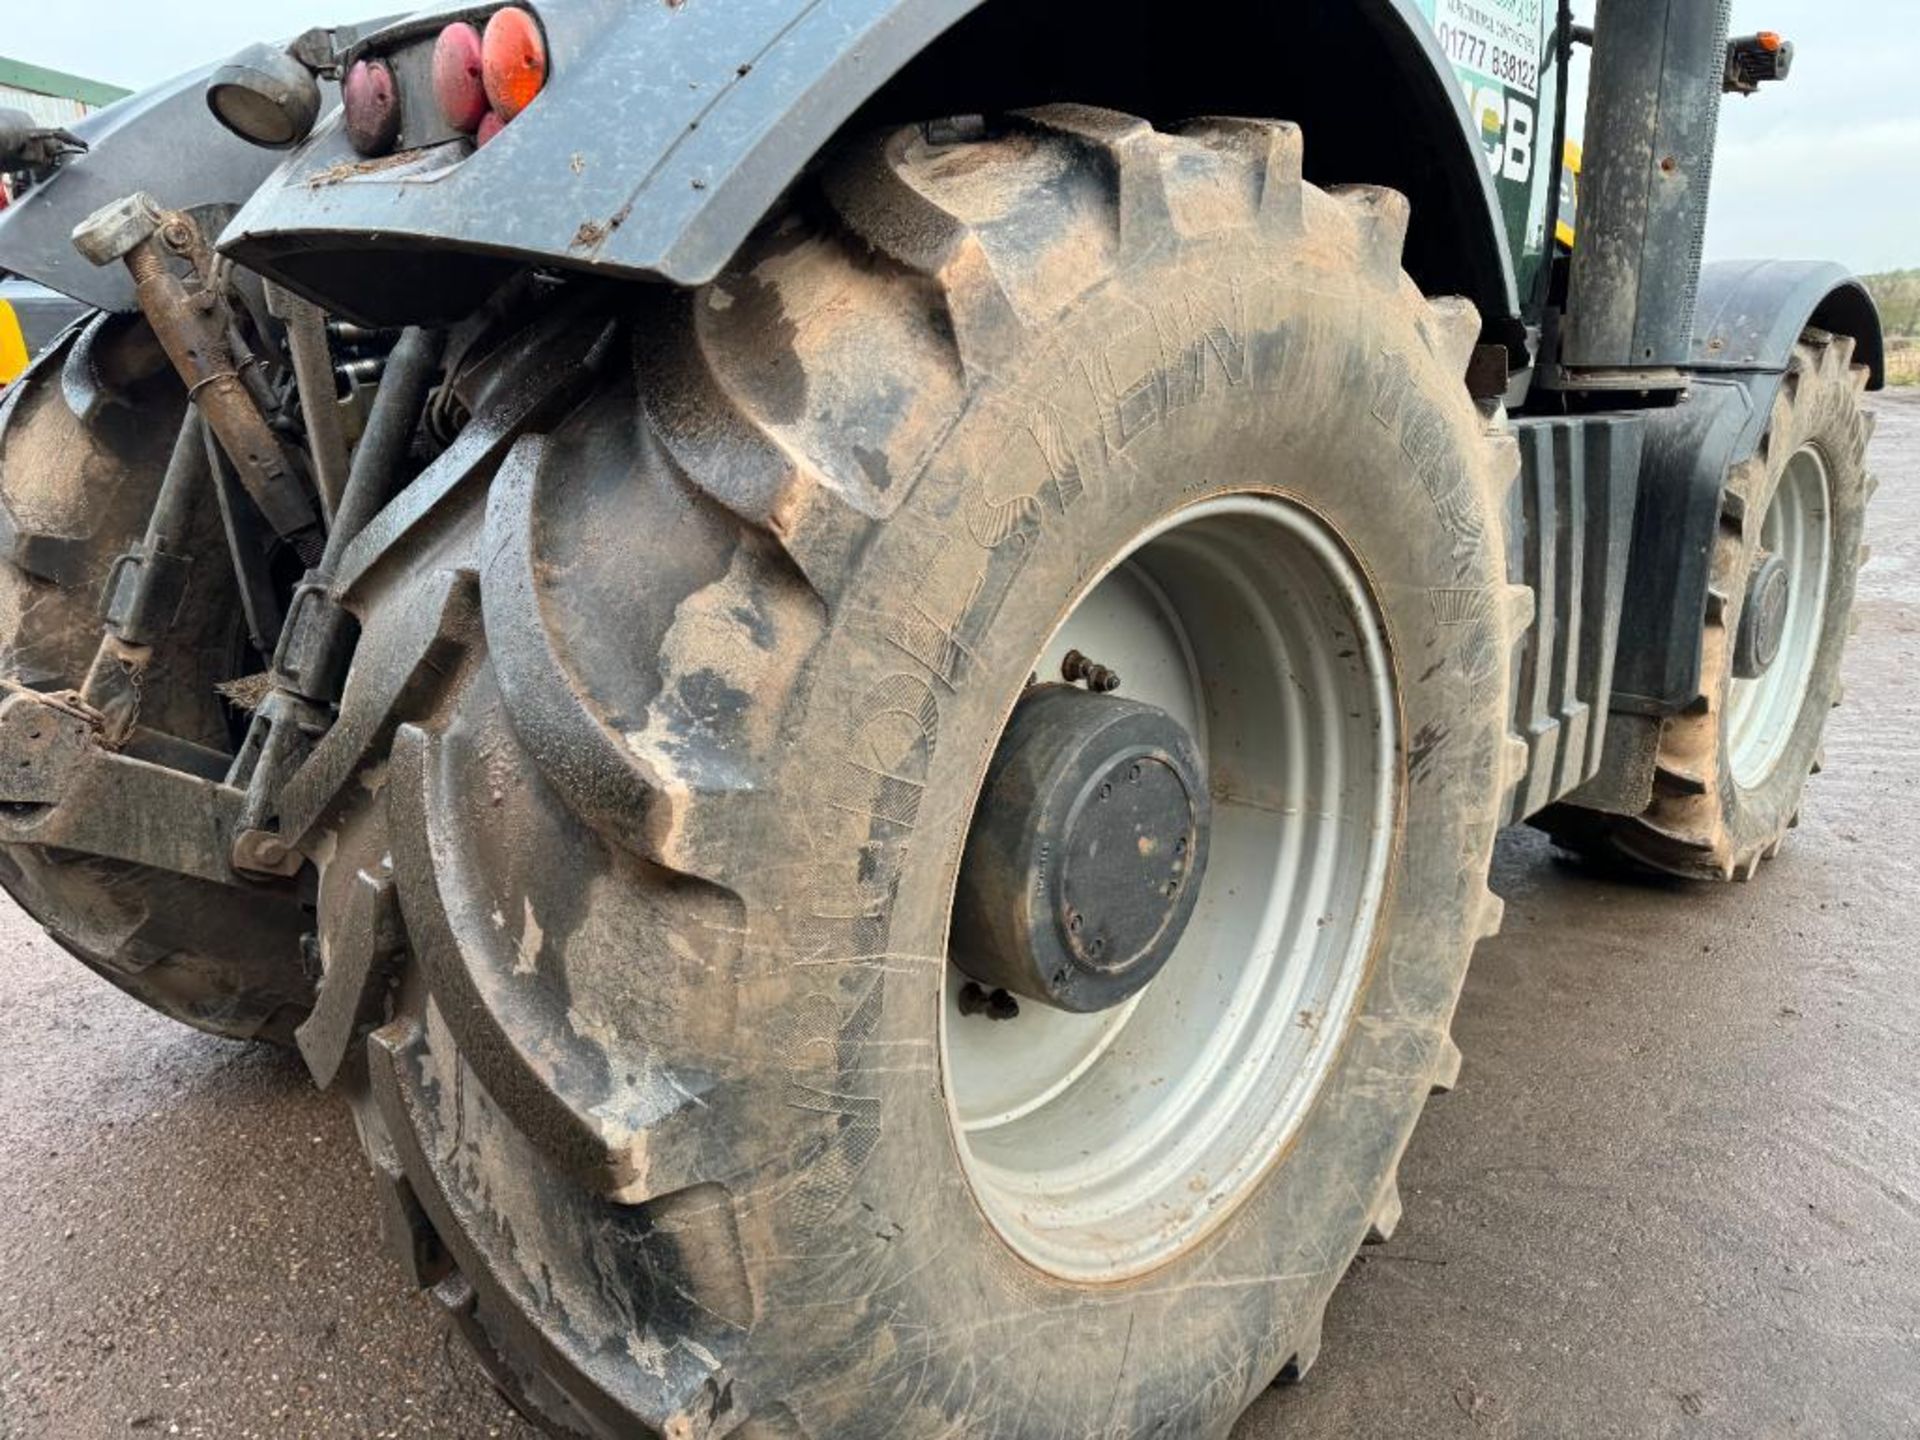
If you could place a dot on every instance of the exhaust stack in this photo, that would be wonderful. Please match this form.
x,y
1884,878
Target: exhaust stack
x,y
1653,116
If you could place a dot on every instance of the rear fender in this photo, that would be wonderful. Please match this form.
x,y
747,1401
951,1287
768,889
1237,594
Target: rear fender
x,y
669,130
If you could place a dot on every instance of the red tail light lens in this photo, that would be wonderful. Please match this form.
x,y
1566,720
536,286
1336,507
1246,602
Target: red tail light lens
x,y
457,82
513,58
372,103
490,125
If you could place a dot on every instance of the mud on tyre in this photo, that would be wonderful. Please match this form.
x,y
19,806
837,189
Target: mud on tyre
x,y
661,1107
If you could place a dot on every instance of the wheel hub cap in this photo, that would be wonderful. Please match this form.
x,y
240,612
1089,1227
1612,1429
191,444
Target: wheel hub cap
x,y
1086,853
1763,620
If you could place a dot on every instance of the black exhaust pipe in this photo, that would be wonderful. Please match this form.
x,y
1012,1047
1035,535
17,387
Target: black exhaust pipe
x,y
1653,116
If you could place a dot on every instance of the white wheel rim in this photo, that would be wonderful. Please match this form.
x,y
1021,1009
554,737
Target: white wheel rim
x,y
1101,1146
1763,713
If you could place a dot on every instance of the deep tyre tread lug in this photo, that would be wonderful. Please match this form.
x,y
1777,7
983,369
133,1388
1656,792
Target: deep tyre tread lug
x,y
1383,216
1131,149
410,1237
1453,331
359,968
1386,1215
1493,914
1515,762
1306,1353
1677,781
1275,152
879,196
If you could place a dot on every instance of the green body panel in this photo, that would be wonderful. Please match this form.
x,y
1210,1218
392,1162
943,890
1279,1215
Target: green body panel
x,y
38,80
1503,56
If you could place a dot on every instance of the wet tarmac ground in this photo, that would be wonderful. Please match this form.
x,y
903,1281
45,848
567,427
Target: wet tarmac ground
x,y
1677,1192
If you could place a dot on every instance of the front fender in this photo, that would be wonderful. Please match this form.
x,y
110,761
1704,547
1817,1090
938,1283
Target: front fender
x,y
667,132
1751,313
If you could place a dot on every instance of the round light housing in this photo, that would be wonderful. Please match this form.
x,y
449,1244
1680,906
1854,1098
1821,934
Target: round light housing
x,y
265,96
490,125
457,81
372,102
513,60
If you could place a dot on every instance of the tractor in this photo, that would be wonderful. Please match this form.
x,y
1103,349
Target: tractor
x,y
851,665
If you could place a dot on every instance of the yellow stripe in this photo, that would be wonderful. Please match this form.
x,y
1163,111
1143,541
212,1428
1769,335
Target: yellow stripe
x,y
13,345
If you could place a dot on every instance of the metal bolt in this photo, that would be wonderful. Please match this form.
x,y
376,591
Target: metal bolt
x,y
1099,679
262,852
997,1005
955,130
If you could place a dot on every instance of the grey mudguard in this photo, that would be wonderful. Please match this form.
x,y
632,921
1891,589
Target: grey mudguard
x,y
667,132
163,141
1751,314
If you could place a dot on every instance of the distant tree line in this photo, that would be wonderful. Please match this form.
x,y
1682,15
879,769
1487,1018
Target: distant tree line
x,y
1898,294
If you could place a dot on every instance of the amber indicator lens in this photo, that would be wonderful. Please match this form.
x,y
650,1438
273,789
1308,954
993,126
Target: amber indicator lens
x,y
513,57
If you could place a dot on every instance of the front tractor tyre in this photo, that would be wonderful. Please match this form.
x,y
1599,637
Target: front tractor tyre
x,y
938,894
1732,766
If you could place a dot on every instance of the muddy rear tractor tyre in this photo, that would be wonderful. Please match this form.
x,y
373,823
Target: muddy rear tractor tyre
x,y
1731,768
684,1109
85,437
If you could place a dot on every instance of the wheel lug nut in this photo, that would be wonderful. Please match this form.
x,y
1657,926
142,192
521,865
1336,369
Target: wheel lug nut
x,y
1099,679
975,999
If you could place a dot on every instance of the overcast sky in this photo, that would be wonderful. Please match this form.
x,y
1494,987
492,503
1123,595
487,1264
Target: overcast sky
x,y
1823,167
